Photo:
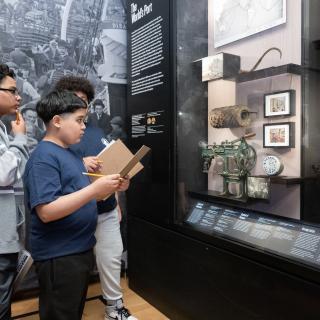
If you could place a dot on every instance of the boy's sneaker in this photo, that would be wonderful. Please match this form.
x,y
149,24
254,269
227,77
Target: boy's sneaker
x,y
118,312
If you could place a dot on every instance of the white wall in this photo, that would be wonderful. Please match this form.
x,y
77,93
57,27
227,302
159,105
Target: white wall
x,y
286,37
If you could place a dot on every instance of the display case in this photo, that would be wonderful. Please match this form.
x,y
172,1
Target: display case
x,y
262,99
226,211
242,133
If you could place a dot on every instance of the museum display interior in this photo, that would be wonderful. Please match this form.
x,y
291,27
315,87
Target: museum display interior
x,y
225,215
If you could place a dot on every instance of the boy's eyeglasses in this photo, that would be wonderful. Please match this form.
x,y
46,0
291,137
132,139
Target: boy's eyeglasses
x,y
15,92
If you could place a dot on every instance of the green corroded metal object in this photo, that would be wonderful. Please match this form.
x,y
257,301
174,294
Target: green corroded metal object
x,y
238,159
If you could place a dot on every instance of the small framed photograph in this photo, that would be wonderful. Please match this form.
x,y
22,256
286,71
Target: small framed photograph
x,y
279,103
278,135
258,187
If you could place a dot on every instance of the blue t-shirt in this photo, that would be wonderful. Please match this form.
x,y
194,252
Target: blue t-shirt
x,y
91,145
51,172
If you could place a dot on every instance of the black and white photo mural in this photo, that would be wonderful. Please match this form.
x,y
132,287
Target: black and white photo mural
x,y
43,40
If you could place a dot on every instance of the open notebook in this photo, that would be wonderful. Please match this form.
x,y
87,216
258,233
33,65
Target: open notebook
x,y
117,158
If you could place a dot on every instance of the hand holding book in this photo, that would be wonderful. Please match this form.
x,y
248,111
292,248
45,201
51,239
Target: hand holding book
x,y
92,164
124,183
106,185
116,158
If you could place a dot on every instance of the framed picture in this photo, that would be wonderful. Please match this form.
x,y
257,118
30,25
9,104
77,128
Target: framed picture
x,y
235,20
278,135
258,187
280,103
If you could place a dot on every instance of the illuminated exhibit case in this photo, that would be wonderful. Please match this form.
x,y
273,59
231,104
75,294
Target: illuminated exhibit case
x,y
224,220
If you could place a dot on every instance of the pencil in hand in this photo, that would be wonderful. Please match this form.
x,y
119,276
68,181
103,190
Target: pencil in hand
x,y
93,174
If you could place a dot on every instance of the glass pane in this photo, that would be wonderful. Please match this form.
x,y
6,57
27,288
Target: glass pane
x,y
192,44
247,135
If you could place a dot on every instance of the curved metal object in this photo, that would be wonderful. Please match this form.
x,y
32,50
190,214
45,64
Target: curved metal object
x,y
261,58
246,158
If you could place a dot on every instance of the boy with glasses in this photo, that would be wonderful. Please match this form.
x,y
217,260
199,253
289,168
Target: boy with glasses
x,y
13,158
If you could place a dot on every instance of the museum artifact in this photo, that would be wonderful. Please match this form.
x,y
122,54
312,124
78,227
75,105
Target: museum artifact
x,y
279,103
238,159
258,187
221,65
261,58
235,20
272,165
278,135
230,117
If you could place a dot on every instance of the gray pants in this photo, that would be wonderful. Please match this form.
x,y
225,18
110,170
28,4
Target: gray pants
x,y
108,254
8,267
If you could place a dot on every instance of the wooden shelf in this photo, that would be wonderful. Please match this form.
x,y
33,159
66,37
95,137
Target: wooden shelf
x,y
216,195
287,180
212,195
269,72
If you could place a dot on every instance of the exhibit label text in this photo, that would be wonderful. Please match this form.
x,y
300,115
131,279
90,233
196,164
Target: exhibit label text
x,y
138,13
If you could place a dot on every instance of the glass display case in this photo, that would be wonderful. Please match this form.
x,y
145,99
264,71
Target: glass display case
x,y
246,161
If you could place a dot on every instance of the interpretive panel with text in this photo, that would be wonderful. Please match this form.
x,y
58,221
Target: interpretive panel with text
x,y
149,104
286,237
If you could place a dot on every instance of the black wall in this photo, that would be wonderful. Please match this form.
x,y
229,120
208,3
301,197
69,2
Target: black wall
x,y
187,276
150,194
189,279
310,109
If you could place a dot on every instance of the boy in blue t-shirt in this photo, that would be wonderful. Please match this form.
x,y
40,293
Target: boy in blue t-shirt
x,y
63,208
109,245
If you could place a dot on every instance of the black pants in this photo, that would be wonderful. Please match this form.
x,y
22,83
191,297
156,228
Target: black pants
x,y
8,267
63,286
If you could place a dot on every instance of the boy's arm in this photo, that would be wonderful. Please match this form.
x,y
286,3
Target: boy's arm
x,y
124,185
67,204
13,160
118,207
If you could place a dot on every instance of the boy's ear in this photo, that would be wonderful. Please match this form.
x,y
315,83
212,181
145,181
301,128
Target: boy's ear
x,y
56,121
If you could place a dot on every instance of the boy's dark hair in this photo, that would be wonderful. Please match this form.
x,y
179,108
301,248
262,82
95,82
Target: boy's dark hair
x,y
58,102
74,83
5,71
